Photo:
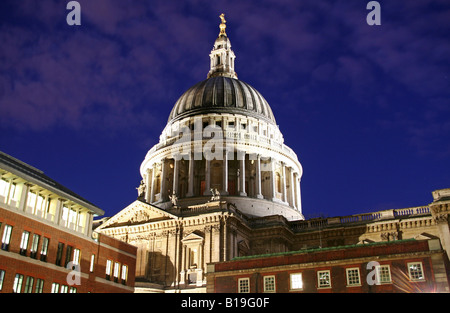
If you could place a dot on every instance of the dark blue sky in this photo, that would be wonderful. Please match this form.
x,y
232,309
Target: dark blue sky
x,y
366,108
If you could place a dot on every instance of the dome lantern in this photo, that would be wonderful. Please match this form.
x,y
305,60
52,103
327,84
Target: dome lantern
x,y
221,56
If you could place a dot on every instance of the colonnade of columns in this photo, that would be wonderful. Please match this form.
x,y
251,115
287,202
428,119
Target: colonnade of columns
x,y
237,174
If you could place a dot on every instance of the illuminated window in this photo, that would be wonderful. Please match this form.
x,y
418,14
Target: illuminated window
x,y
124,274
24,243
44,249
29,285
269,283
34,246
353,277
76,256
18,280
108,269
55,288
4,188
64,289
31,201
39,285
6,239
40,201
65,216
296,280
116,271
415,271
7,192
244,285
91,267
72,219
2,277
323,279
384,274
12,193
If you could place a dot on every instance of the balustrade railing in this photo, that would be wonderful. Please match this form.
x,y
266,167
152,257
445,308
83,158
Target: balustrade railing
x,y
358,218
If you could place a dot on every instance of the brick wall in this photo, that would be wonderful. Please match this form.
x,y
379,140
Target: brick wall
x,y
104,248
226,275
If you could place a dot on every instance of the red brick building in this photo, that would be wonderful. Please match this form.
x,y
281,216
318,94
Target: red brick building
x,y
396,266
47,242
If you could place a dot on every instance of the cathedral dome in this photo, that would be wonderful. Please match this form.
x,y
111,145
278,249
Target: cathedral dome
x,y
222,140
222,94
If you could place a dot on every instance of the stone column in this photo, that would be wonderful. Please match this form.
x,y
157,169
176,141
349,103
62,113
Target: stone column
x,y
292,188
175,176
283,171
225,173
148,185
258,177
200,265
183,265
225,240
242,174
89,221
216,257
207,250
272,180
191,176
24,197
297,192
152,189
58,211
207,191
163,190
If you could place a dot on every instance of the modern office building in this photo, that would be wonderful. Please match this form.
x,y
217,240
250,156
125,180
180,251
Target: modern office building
x,y
47,242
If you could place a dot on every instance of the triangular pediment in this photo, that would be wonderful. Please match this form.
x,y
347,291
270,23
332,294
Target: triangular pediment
x,y
243,245
192,237
425,236
137,212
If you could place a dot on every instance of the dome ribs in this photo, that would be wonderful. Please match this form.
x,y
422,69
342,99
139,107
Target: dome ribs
x,y
222,95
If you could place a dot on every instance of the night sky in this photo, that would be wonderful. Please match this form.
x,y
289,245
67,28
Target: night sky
x,y
366,108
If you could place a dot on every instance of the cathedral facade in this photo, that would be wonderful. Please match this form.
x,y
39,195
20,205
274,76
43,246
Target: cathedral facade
x,y
221,183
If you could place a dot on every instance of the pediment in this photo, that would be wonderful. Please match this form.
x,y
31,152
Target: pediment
x,y
425,236
137,212
192,237
243,245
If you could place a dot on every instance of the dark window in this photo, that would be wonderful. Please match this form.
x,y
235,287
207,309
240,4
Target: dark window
x,y
68,255
59,253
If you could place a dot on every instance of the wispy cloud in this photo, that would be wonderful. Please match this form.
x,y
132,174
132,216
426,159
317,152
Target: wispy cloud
x,y
130,60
